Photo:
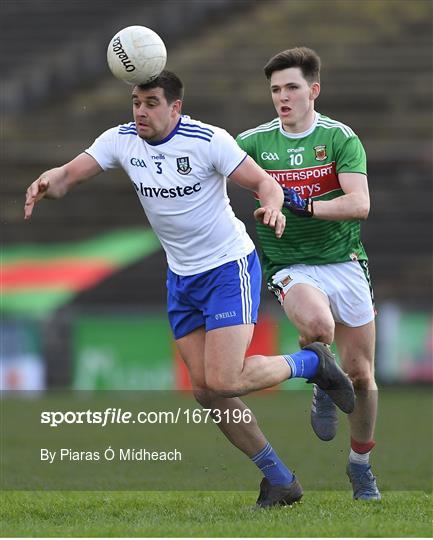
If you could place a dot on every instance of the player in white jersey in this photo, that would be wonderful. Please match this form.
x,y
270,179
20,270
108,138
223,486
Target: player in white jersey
x,y
178,190
178,168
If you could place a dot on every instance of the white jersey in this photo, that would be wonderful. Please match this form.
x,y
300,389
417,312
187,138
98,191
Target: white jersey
x,y
181,184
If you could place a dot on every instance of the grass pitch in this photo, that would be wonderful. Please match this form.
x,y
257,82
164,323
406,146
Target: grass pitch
x,y
402,462
212,514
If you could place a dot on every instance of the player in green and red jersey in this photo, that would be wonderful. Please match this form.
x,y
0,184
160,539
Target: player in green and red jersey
x,y
318,268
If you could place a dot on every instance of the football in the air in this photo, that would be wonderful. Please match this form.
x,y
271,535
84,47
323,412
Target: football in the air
x,y
136,55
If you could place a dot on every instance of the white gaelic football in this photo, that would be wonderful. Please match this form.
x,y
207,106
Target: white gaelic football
x,y
136,55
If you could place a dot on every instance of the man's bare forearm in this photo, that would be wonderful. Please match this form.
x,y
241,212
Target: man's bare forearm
x,y
57,181
270,194
346,207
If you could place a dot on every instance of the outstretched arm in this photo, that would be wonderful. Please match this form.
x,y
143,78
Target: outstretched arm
x,y
354,204
249,175
55,183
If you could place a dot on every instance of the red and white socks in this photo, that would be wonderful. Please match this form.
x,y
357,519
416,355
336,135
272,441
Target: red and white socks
x,y
360,452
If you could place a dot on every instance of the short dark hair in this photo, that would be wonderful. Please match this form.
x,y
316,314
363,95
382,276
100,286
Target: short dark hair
x,y
169,82
302,57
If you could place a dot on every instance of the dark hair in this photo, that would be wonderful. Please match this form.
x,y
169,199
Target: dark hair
x,y
169,82
302,57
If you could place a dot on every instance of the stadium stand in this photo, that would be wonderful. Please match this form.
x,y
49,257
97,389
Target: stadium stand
x,y
376,77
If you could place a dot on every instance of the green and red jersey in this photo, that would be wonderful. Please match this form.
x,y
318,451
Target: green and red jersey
x,y
310,163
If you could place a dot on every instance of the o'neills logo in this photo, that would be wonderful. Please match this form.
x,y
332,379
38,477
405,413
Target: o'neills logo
x,y
121,54
225,315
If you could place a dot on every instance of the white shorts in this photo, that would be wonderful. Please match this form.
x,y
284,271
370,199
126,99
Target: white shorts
x,y
346,285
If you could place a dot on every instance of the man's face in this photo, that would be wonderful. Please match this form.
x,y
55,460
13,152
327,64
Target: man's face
x,y
293,98
154,117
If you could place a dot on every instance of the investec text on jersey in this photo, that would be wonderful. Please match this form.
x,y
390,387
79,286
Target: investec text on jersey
x,y
171,193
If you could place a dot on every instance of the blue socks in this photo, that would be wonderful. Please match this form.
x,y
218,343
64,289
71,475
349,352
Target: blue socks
x,y
303,363
272,467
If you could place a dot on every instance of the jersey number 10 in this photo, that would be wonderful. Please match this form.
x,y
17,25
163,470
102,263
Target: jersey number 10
x,y
296,159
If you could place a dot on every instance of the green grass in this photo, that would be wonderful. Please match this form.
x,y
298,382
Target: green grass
x,y
211,514
402,462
